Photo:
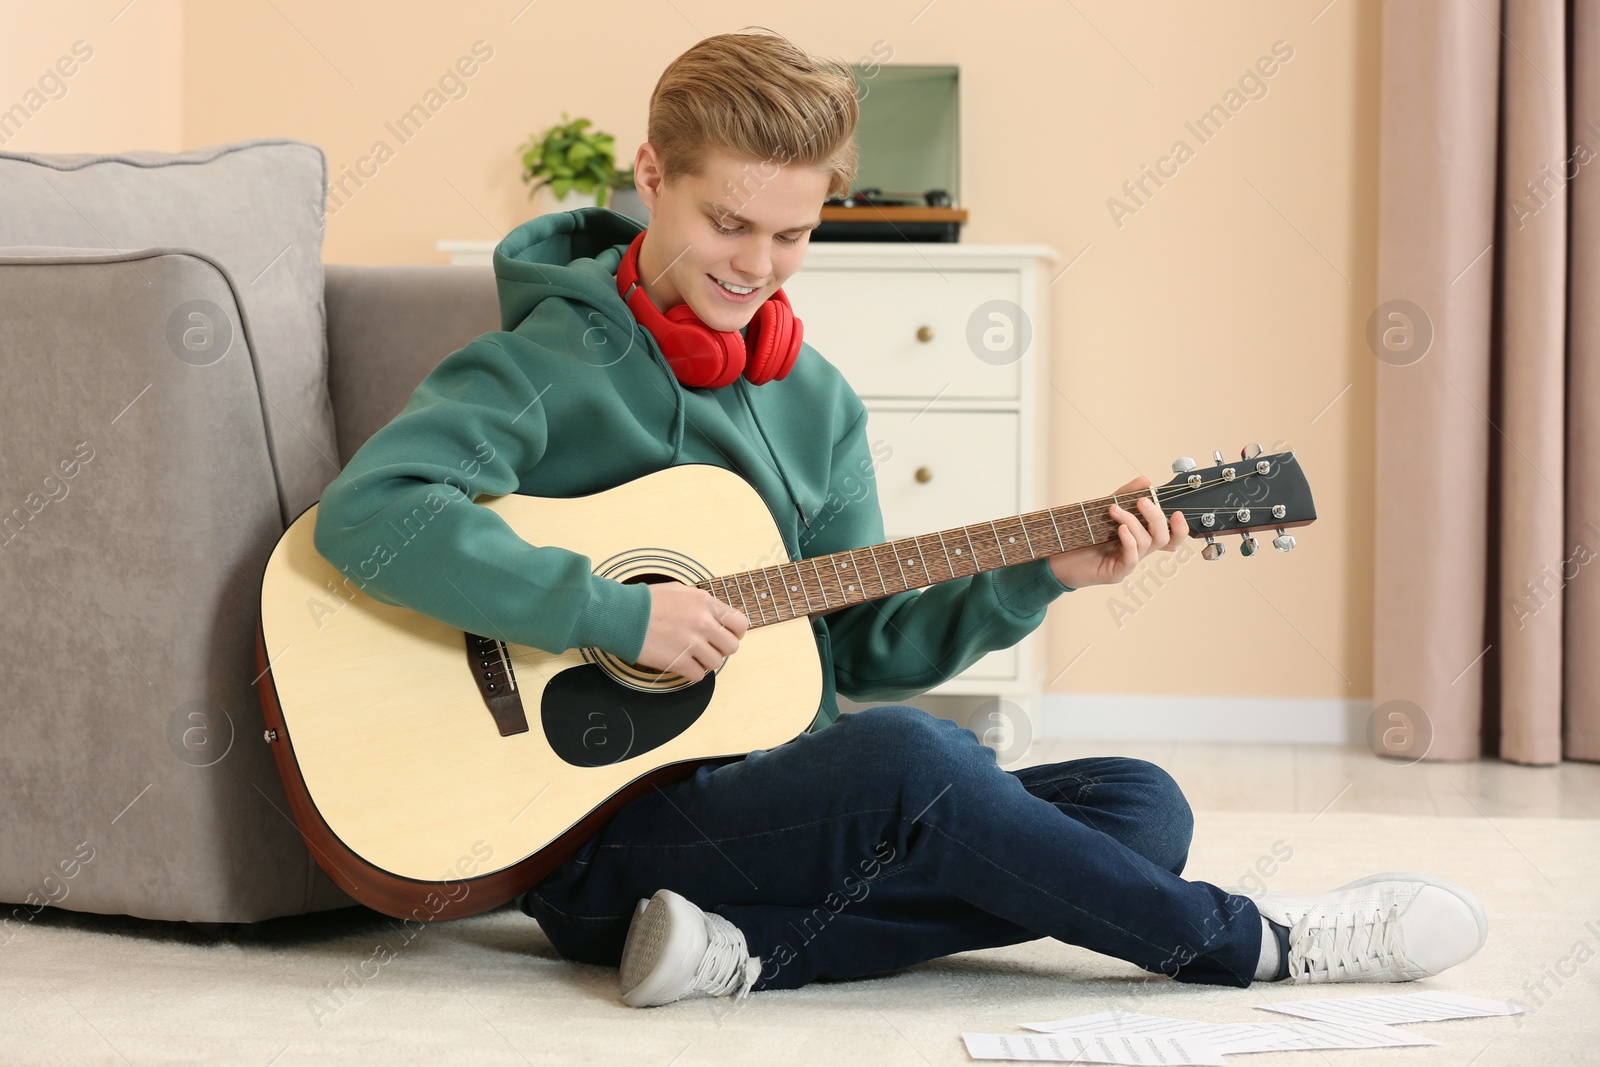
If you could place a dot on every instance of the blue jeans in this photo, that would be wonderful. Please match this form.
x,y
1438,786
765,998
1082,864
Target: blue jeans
x,y
892,837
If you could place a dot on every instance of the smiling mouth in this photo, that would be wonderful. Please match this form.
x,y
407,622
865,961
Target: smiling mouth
x,y
736,290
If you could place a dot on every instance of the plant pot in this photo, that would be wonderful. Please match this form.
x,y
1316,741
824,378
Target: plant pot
x,y
545,201
627,202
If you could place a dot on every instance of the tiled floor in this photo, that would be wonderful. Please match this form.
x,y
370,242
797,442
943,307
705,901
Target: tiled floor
x,y
1313,778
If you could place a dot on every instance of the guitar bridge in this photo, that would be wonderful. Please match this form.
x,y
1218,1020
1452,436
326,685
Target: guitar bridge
x,y
490,663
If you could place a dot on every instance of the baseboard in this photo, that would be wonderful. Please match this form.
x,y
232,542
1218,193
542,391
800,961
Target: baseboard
x,y
1264,720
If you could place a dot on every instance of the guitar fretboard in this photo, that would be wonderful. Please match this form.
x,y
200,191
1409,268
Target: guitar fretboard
x,y
822,583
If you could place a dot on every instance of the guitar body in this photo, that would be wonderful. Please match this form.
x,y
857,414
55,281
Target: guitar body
x,y
411,781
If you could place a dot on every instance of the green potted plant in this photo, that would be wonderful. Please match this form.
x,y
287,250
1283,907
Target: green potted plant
x,y
568,158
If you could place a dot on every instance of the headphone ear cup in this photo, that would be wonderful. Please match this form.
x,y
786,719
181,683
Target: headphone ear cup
x,y
772,340
700,356
760,342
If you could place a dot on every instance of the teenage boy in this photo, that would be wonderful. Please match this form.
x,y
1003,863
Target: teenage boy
x,y
875,840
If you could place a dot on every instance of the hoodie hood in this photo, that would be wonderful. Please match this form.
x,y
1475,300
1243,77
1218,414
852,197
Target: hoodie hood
x,y
571,254
574,255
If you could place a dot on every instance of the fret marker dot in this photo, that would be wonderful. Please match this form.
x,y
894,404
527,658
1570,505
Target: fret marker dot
x,y
1013,540
792,588
958,552
850,587
763,596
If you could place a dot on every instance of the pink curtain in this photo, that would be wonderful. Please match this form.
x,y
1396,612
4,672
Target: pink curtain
x,y
1487,606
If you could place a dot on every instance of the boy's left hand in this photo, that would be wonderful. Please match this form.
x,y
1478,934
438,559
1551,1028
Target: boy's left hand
x,y
1109,563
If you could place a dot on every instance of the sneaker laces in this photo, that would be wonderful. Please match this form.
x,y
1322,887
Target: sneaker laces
x,y
727,965
1345,945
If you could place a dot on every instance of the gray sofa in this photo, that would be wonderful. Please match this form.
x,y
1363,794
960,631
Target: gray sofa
x,y
179,379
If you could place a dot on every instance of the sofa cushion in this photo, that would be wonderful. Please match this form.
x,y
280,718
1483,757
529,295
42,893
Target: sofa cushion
x,y
255,208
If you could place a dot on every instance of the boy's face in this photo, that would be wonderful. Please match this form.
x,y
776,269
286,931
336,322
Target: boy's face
x,y
743,221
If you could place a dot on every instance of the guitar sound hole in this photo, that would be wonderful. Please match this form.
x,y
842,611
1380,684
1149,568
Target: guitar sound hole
x,y
591,720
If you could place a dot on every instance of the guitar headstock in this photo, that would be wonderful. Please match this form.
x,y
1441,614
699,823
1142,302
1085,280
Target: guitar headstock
x,y
1259,492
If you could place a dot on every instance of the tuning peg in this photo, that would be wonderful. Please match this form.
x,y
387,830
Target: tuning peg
x,y
1182,465
1218,457
1212,549
1248,548
1283,542
1250,451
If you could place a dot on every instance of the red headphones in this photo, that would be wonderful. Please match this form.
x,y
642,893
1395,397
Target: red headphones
x,y
703,357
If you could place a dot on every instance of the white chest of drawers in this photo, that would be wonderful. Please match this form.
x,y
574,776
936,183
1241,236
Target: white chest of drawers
x,y
948,346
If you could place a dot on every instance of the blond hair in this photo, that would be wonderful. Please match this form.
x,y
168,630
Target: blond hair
x,y
755,95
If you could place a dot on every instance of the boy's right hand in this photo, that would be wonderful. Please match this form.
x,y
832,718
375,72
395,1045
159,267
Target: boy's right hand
x,y
691,632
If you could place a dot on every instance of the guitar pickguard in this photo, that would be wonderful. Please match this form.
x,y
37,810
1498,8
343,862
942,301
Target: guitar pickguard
x,y
591,720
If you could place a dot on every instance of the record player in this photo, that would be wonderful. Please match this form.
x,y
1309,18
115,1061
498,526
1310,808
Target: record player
x,y
874,214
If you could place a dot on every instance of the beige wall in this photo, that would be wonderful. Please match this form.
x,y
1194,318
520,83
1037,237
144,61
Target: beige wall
x,y
91,77
1229,307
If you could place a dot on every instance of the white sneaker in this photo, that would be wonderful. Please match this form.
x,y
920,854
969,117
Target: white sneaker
x,y
1393,927
675,950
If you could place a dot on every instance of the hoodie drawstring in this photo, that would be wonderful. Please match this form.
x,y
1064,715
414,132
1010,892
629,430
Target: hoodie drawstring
x,y
679,415
740,383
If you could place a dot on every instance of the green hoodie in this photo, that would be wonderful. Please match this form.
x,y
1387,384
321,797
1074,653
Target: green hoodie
x,y
571,397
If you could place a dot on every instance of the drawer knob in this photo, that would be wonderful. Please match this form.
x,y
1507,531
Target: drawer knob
x,y
923,474
924,333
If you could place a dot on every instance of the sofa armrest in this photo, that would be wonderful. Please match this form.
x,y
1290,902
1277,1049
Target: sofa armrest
x,y
138,505
388,326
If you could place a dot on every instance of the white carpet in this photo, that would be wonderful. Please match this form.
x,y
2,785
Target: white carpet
x,y
490,990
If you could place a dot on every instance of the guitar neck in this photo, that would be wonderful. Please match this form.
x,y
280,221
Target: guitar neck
x,y
819,584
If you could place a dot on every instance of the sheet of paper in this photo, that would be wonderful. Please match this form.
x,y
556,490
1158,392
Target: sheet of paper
x,y
1236,1038
1227,1037
1309,1035
1109,1048
1391,1008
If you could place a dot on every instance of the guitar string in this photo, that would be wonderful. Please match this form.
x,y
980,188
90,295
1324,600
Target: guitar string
x,y
1164,493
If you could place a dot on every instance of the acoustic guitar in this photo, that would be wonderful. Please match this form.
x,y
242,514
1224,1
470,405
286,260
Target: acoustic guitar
x,y
436,773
